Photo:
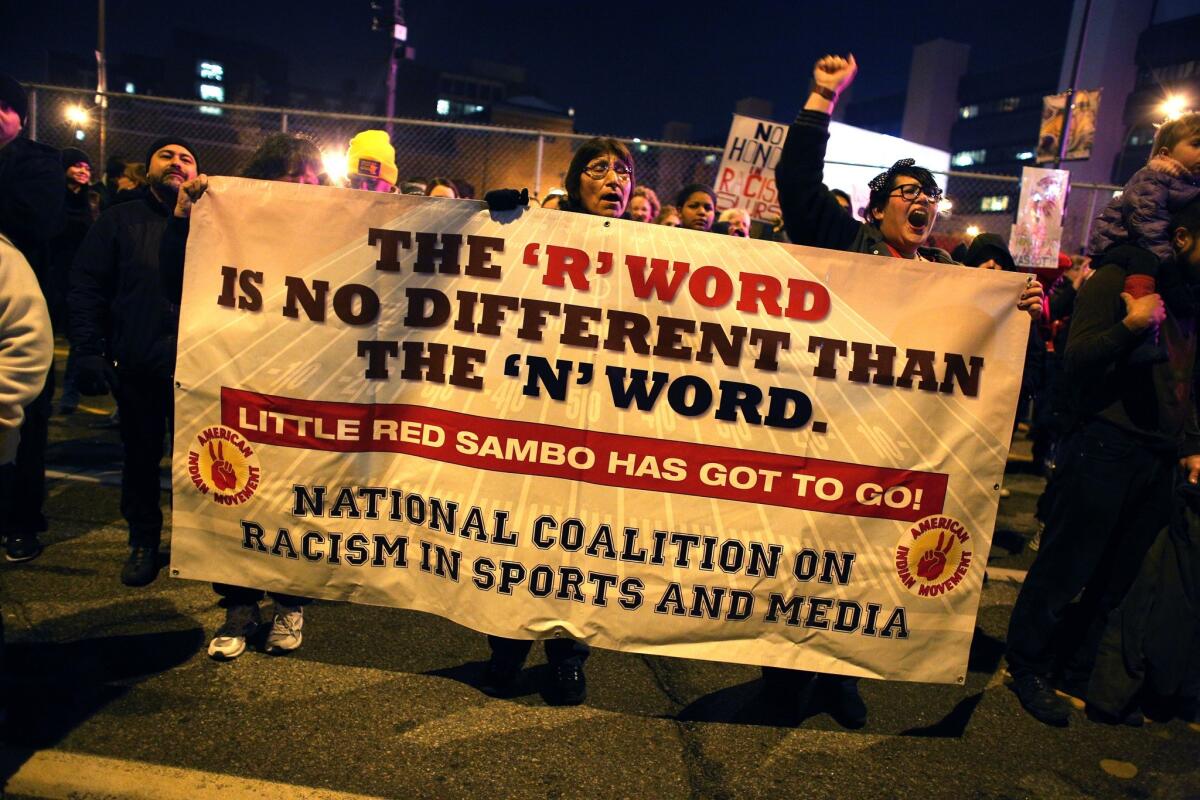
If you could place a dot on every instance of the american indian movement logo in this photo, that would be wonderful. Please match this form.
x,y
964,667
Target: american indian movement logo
x,y
222,464
933,556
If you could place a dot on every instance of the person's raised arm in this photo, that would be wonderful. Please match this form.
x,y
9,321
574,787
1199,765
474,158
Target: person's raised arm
x,y
810,213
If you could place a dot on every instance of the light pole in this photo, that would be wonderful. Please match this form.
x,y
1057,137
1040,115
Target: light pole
x,y
399,37
101,81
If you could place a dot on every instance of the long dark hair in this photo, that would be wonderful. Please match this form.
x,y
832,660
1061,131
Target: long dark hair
x,y
597,146
689,190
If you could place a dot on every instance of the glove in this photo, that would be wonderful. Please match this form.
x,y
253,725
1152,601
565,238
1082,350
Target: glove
x,y
94,376
506,199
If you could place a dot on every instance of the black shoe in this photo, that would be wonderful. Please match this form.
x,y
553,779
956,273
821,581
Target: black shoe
x,y
1040,701
25,547
141,568
500,680
568,686
787,693
1134,718
842,700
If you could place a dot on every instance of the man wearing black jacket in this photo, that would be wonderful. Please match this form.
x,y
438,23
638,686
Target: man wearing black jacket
x,y
31,214
1136,430
124,331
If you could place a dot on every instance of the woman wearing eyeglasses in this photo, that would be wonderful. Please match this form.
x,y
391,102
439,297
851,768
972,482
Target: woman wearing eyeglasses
x,y
599,178
901,213
599,181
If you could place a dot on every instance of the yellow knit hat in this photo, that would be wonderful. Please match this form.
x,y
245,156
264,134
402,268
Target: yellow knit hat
x,y
372,156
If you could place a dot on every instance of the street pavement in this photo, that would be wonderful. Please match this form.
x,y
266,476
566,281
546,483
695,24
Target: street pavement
x,y
111,694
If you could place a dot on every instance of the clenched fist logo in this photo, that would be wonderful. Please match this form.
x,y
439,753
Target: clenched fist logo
x,y
932,564
224,477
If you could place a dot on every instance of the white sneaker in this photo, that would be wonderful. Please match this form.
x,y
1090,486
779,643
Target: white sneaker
x,y
285,635
229,642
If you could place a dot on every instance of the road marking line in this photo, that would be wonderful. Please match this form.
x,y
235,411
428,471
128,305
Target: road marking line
x,y
102,477
1014,575
55,774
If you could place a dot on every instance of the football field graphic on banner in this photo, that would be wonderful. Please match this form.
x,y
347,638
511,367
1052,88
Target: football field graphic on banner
x,y
537,423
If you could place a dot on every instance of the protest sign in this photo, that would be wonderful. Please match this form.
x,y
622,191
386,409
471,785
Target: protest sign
x,y
1036,237
746,176
538,423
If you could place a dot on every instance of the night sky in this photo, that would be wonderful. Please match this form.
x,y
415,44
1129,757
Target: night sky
x,y
626,68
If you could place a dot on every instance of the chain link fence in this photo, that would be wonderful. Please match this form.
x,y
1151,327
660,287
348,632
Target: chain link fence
x,y
484,157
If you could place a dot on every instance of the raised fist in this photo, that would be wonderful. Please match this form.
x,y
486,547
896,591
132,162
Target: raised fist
x,y
223,475
932,564
834,72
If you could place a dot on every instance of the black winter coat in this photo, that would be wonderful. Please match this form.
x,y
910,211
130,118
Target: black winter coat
x,y
116,306
31,199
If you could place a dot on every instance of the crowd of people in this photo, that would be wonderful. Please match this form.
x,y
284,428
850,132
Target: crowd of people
x,y
1116,344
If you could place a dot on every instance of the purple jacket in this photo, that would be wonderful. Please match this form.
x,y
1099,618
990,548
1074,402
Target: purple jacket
x,y
1142,214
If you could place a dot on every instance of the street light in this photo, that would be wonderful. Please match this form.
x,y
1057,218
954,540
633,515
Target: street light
x,y
77,115
333,162
972,231
1174,107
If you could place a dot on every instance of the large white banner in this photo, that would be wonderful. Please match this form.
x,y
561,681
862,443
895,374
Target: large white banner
x,y
538,423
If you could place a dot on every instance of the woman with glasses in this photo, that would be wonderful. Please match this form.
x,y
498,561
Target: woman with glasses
x,y
901,212
599,181
599,178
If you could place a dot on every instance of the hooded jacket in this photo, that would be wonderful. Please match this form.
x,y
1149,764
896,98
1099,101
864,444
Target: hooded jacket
x,y
26,344
1142,214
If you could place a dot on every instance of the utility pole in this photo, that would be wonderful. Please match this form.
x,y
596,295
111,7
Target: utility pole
x,y
101,83
1063,138
399,32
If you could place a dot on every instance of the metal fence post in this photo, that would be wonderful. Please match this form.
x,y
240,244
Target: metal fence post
x,y
1091,217
537,174
33,115
283,122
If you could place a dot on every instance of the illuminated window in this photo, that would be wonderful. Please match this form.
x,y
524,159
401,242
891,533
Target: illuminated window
x,y
213,110
1010,103
130,88
211,71
966,112
710,159
1024,155
212,92
994,203
966,158
443,108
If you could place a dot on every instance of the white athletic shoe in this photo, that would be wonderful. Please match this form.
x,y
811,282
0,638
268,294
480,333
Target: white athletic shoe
x,y
286,634
229,642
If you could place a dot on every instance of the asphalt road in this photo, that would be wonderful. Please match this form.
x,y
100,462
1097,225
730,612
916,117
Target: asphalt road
x,y
111,694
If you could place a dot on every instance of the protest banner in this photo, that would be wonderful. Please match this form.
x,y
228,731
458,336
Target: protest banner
x,y
746,176
537,423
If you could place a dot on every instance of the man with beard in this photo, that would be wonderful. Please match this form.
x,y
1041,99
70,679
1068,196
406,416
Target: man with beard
x,y
1135,440
123,329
